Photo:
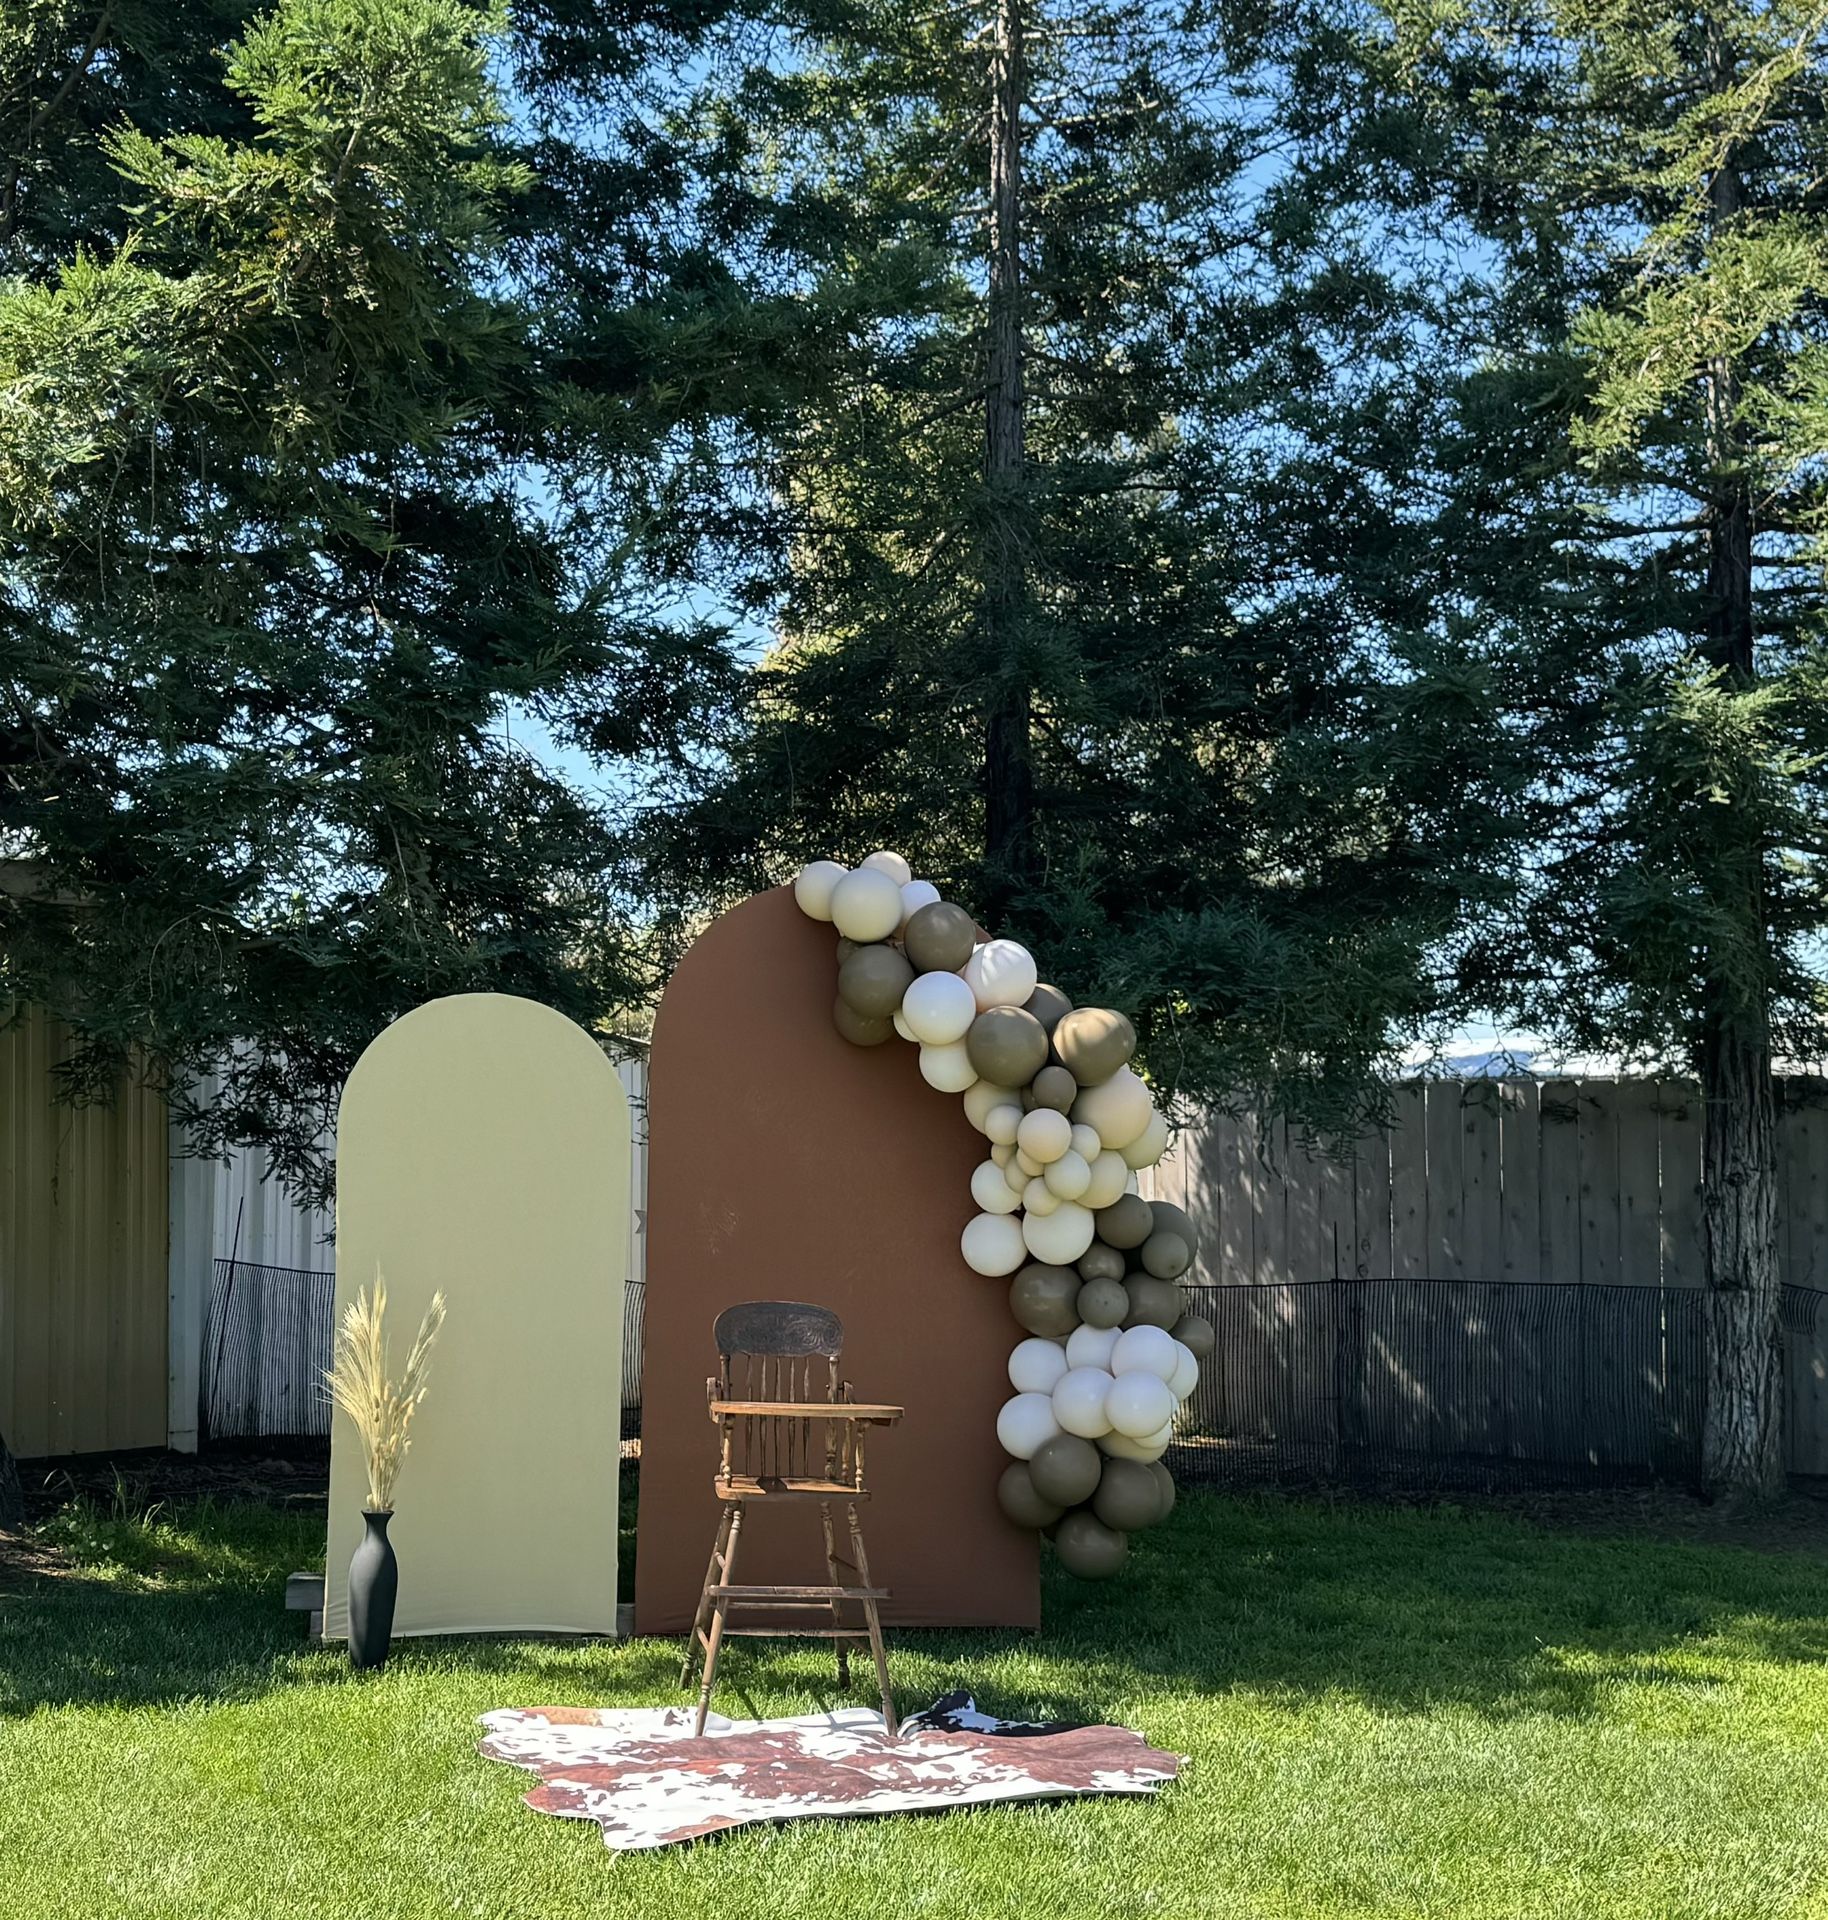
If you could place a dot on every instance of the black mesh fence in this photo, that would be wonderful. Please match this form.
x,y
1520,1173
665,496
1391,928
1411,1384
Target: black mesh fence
x,y
266,1342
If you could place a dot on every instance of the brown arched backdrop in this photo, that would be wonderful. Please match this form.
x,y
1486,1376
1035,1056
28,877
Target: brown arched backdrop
x,y
785,1163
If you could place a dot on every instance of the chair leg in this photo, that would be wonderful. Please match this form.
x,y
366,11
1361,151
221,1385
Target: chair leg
x,y
873,1620
720,1607
703,1615
833,1567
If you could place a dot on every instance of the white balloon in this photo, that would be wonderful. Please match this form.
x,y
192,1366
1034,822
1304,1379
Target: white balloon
x,y
1001,1153
812,890
1068,1176
1026,1424
1078,1402
1150,1447
1060,1237
1027,1161
1039,1198
866,905
1186,1371
892,864
1109,1175
1003,1122
1001,973
992,1244
985,1096
1086,1142
1012,1172
1118,1108
1149,1145
915,895
902,1027
1144,1350
1044,1135
1139,1403
1091,1347
939,1007
947,1068
1036,1366
990,1190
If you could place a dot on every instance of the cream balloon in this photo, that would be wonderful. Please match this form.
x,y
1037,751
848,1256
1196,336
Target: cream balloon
x,y
883,861
1109,1178
939,1008
1012,1172
866,905
1060,1237
947,1068
1001,973
1003,1122
1026,1424
1150,1447
1139,1403
1068,1176
1039,1198
990,1190
1144,1350
1149,1145
901,1026
1044,1135
1001,1153
1119,1109
1091,1347
983,1099
1086,1142
1027,1161
915,895
1186,1375
992,1244
1078,1402
812,889
1035,1366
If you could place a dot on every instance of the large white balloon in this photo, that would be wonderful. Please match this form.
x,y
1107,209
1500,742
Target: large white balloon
x,y
915,895
1001,973
1026,1424
1079,1397
1002,1122
1149,1145
866,905
1138,1403
1091,1347
939,1007
985,1096
1039,1198
1036,1366
1044,1135
990,1190
992,1244
1150,1447
1068,1176
947,1068
1110,1178
1118,1108
1144,1350
883,861
1060,1237
812,890
1186,1371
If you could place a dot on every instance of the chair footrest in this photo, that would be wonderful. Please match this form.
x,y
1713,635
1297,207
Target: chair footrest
x,y
798,1633
797,1596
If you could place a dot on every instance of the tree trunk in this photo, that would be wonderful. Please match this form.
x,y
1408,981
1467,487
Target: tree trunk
x,y
1008,772
12,1495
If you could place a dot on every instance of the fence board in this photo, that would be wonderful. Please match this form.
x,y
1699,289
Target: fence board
x,y
1679,1180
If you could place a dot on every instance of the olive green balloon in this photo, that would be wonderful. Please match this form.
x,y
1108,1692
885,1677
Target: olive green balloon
x,y
1088,1548
1166,1255
1007,1046
1100,1262
858,1029
1127,1499
1045,1299
1047,1004
1065,1470
1103,1303
845,949
1125,1223
1196,1335
1055,1087
1164,1485
873,980
1020,1502
1171,1219
939,937
1091,1043
1153,1303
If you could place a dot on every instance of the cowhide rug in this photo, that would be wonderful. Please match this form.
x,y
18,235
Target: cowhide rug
x,y
639,1774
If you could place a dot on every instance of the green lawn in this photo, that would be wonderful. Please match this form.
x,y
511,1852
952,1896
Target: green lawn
x,y
1390,1713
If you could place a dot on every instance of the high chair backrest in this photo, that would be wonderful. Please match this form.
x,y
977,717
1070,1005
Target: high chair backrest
x,y
782,1354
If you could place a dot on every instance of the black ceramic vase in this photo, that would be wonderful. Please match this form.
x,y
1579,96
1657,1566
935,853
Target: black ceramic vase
x,y
374,1582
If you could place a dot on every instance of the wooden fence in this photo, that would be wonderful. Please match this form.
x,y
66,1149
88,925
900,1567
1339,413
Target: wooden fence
x,y
1508,1181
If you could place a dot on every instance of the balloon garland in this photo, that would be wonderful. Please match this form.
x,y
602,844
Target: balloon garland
x,y
1111,1352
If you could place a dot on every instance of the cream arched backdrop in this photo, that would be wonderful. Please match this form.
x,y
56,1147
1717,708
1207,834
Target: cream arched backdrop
x,y
482,1148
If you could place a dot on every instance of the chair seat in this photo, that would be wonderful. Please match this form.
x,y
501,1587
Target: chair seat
x,y
774,1486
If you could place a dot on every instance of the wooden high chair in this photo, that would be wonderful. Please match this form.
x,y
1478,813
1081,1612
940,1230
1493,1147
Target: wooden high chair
x,y
780,1442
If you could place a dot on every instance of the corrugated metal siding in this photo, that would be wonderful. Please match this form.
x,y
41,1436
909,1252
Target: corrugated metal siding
x,y
83,1283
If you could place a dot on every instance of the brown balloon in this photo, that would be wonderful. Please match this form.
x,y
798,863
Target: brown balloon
x,y
1164,1483
1198,1336
1100,1262
1171,1219
1091,1043
873,980
857,1029
1166,1255
1088,1548
1045,1299
939,937
1103,1303
1065,1469
1127,1499
1007,1046
1153,1303
1055,1087
1125,1223
1021,1503
1047,1004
